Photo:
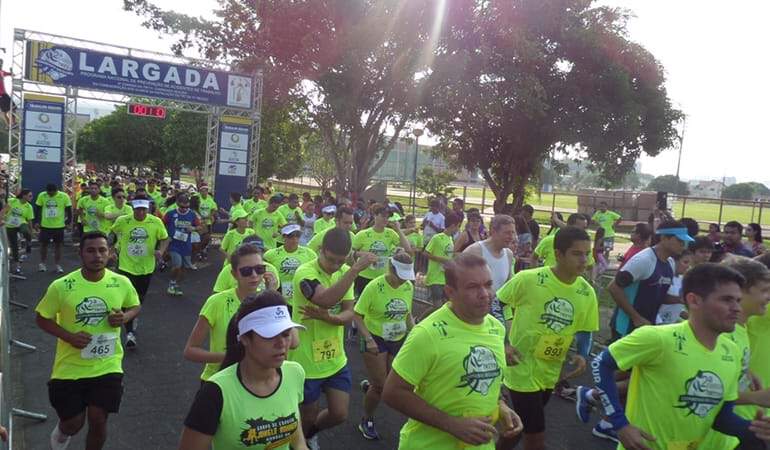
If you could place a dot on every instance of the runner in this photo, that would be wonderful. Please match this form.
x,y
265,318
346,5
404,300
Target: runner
x,y
383,315
552,304
327,219
250,274
235,204
138,235
685,376
289,257
225,280
607,220
153,192
309,219
254,400
528,213
447,377
640,239
84,310
495,250
236,234
641,287
267,222
208,210
343,219
439,251
256,202
380,240
55,214
17,215
180,224
117,208
545,251
702,250
323,303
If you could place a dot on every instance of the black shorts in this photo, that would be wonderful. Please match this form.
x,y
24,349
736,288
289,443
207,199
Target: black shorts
x,y
530,406
359,285
140,282
5,103
383,346
71,397
52,234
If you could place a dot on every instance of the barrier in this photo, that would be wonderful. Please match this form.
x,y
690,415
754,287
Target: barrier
x,y
7,411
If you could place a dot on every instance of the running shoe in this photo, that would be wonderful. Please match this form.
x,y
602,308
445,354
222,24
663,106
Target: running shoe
x,y
171,290
59,269
178,292
41,267
59,440
18,270
364,385
367,429
583,404
130,340
605,432
312,443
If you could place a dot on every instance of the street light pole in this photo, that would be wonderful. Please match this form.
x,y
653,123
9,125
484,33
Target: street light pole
x,y
681,143
417,133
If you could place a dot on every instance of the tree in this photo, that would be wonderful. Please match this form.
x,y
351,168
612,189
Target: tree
x,y
121,139
433,183
317,162
280,145
355,64
514,81
745,191
668,183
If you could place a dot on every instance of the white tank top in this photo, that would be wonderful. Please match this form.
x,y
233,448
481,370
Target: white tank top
x,y
500,266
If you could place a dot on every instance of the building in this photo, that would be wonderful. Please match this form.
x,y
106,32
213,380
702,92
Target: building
x,y
399,165
706,189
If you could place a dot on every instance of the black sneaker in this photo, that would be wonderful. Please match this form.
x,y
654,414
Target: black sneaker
x,y
130,341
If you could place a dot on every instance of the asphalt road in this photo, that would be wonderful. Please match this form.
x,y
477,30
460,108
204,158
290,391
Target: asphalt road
x,y
160,384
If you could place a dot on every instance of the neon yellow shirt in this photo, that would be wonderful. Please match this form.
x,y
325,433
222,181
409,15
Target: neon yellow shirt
x,y
759,337
547,253
233,239
318,239
321,348
416,240
252,205
18,214
226,280
547,315
381,244
126,210
287,264
442,245
385,309
607,221
267,225
156,196
90,208
52,209
207,206
218,310
258,423
455,367
77,304
322,224
137,241
677,385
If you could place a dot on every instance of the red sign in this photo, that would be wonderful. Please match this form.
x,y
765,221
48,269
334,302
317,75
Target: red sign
x,y
138,109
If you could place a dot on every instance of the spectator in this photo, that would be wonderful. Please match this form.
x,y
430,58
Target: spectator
x,y
754,236
458,207
528,212
702,250
693,228
732,240
601,261
715,234
433,223
472,232
640,239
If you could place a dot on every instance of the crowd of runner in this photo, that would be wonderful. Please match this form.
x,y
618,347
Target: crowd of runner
x,y
687,366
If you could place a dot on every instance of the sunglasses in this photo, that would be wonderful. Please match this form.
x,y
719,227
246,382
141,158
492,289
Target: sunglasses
x,y
259,269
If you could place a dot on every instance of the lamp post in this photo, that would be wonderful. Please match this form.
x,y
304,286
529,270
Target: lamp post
x,y
417,133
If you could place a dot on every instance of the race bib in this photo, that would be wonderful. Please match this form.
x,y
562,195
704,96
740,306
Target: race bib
x,y
14,221
195,237
393,331
181,236
51,212
137,249
287,288
326,349
101,346
552,347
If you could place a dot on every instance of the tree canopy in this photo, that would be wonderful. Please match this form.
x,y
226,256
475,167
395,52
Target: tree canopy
x,y
669,183
745,191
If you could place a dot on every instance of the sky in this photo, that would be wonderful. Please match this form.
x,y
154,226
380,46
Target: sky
x,y
710,53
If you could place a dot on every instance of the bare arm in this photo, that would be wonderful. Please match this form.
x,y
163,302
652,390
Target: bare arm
x,y
620,298
460,242
328,297
193,349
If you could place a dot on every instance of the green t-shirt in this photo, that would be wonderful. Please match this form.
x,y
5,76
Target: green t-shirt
x,y
455,367
607,221
226,280
381,244
287,264
715,439
52,209
677,385
441,244
318,240
759,337
156,196
322,224
547,315
415,239
137,241
77,304
267,225
18,213
252,205
233,239
207,206
385,309
126,210
321,348
90,207
289,214
547,253
259,423
218,310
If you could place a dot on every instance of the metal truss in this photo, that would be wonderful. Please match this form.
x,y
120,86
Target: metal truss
x,y
71,94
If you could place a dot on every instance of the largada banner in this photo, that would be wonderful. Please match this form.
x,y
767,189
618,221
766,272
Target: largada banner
x,y
55,64
232,159
42,141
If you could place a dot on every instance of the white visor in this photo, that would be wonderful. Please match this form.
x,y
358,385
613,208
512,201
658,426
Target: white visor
x,y
267,322
331,209
404,271
140,203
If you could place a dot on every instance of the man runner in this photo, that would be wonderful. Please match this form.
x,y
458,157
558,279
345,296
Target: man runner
x,y
84,310
607,220
180,224
343,219
55,214
267,222
289,257
90,209
448,375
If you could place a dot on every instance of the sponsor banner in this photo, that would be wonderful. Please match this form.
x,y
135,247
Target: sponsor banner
x,y
42,141
232,160
89,69
232,169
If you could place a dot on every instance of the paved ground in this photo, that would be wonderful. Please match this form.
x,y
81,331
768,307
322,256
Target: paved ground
x,y
160,384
